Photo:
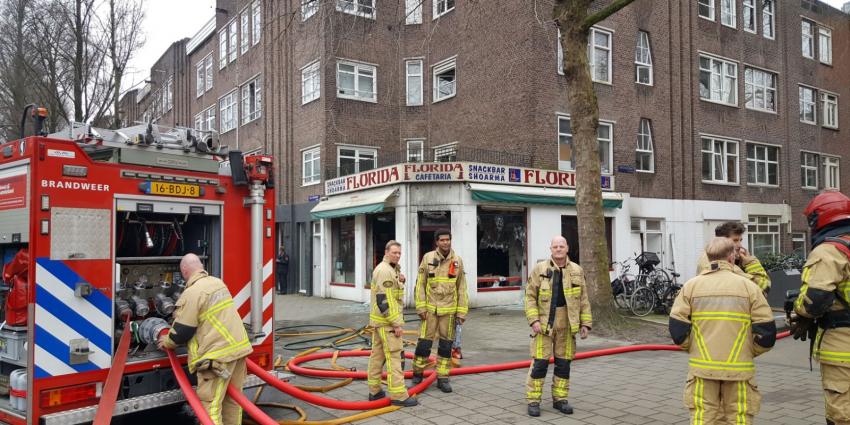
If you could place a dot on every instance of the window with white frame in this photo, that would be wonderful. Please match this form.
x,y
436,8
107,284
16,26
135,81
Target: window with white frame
x,y
257,15
210,115
599,55
762,165
718,80
831,172
308,8
763,234
727,13
222,48
798,244
706,9
351,160
227,107
760,89
441,7
252,100
749,15
415,150
566,149
829,109
245,26
414,79
825,45
644,154
651,233
808,38
356,81
413,11
560,55
768,28
200,77
719,160
809,170
643,59
169,94
446,153
364,8
209,71
605,136
232,27
445,79
311,87
199,122
808,105
311,166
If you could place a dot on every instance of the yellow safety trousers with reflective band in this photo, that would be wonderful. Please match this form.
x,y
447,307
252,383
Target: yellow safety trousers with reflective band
x,y
233,344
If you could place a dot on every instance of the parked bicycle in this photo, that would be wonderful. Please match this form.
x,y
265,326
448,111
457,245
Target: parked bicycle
x,y
658,290
624,285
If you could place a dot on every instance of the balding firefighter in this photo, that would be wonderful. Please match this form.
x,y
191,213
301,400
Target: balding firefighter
x,y
723,320
822,310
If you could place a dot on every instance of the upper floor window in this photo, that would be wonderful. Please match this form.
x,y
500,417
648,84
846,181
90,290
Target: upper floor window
x,y
750,22
825,45
364,8
308,8
768,27
809,170
256,11
227,106
310,83
222,48
599,55
762,165
311,166
763,234
566,150
760,89
831,172
200,77
643,59
719,160
246,31
413,12
808,105
356,81
209,71
252,100
169,94
808,39
645,158
441,7
718,80
445,79
233,41
829,109
727,13
413,75
446,153
706,9
415,150
352,160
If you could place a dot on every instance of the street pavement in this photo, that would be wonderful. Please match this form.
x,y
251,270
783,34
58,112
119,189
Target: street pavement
x,y
634,388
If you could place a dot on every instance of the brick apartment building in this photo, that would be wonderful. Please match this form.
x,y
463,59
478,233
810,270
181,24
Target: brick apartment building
x,y
710,110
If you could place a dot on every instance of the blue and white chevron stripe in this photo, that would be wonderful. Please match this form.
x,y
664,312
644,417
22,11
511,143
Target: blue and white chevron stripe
x,y
60,317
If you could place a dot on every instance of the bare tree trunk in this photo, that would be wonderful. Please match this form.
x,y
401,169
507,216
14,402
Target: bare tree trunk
x,y
116,69
79,60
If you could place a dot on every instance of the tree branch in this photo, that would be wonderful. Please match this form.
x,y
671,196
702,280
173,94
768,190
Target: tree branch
x,y
607,11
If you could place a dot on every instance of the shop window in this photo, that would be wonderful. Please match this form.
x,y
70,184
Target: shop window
x,y
569,230
501,248
342,234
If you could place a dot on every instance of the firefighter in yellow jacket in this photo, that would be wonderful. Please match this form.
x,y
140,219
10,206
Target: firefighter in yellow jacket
x,y
723,320
386,319
557,307
823,305
745,264
441,299
207,321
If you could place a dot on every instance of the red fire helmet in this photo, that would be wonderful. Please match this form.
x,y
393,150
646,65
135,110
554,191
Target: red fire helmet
x,y
827,208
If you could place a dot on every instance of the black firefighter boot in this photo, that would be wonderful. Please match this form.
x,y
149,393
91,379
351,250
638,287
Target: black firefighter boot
x,y
534,409
563,406
408,402
417,378
381,394
443,385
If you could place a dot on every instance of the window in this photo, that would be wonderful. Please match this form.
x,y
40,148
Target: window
x,y
343,254
566,152
763,234
599,55
364,8
256,10
233,37
222,48
209,66
246,31
760,89
414,150
825,45
205,121
210,118
727,13
767,25
311,167
762,165
199,122
645,159
501,242
749,8
200,77
809,170
651,233
413,69
829,109
831,172
808,108
441,7
308,8
351,160
643,59
252,100
798,244
445,80
356,81
808,39
718,80
311,87
719,160
169,94
446,153
227,106
413,12
706,9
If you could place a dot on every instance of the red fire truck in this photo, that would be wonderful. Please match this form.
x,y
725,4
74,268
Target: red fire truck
x,y
93,224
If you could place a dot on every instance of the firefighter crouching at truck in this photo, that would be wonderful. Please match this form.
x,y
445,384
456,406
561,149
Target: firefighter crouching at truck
x,y
745,264
723,320
822,310
556,307
207,321
386,318
441,299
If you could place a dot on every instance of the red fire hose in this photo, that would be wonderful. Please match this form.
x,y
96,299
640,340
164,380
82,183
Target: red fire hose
x,y
250,408
190,394
106,406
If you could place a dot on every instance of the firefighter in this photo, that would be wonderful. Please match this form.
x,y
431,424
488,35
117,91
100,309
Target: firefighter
x,y
557,308
386,318
207,321
745,264
441,301
723,320
825,300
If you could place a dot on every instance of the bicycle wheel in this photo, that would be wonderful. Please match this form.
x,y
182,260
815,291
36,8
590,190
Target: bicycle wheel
x,y
668,298
643,301
621,300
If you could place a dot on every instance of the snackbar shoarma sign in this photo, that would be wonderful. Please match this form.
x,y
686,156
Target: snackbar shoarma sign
x,y
452,172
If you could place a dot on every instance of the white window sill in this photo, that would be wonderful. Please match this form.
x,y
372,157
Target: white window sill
x,y
826,63
645,171
310,183
706,18
830,127
718,183
436,16
644,84
809,122
361,99
443,98
769,186
808,188
304,102
717,102
767,111
607,83
753,31
228,130
414,104
734,27
252,120
809,57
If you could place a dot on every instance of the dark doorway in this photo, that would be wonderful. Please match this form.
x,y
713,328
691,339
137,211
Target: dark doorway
x,y
383,230
430,222
569,230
